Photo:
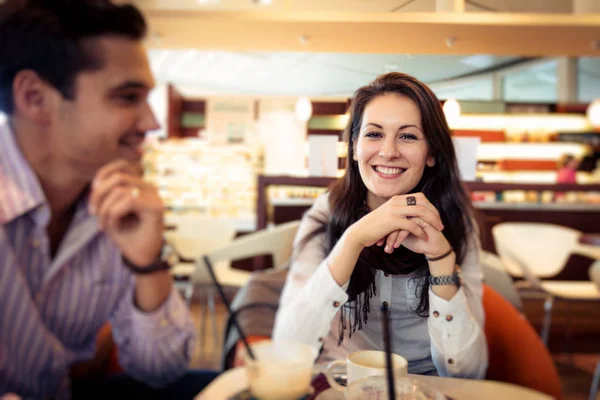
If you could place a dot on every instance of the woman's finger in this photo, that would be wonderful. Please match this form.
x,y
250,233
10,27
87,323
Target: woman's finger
x,y
389,242
401,236
421,212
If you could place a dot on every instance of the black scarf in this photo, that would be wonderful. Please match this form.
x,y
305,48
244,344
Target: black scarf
x,y
362,286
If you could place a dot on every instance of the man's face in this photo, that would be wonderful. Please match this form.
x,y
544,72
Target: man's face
x,y
109,115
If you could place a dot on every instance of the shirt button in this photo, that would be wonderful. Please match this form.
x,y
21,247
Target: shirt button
x,y
320,340
336,303
386,274
385,304
56,346
436,314
163,323
450,361
35,243
449,317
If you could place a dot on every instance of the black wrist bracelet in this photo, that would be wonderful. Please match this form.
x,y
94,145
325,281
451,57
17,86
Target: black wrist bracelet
x,y
446,254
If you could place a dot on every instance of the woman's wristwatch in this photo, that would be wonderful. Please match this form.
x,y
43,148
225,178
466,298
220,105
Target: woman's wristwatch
x,y
453,279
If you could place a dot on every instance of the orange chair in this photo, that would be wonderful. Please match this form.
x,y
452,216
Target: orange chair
x,y
105,362
516,353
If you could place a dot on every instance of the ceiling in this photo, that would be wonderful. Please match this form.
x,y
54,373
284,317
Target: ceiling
x,y
331,47
518,6
200,73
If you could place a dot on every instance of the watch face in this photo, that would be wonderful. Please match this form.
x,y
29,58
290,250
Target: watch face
x,y
169,255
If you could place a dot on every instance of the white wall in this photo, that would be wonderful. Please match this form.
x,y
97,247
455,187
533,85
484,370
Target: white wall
x,y
283,137
159,103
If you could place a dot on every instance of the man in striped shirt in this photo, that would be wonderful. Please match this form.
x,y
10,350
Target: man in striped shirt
x,y
80,231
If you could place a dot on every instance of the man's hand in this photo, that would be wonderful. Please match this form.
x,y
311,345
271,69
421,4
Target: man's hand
x,y
129,210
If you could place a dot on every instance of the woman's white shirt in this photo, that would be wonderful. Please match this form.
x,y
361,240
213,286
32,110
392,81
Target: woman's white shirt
x,y
450,342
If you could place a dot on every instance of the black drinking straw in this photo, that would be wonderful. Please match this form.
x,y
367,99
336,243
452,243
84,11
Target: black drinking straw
x,y
388,352
224,298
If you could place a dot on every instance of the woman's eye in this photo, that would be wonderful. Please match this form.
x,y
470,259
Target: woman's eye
x,y
373,134
407,136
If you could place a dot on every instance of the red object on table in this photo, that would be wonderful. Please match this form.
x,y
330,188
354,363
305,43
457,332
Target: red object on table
x,y
320,384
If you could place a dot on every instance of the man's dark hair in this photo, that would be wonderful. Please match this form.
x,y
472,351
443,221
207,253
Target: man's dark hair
x,y
49,37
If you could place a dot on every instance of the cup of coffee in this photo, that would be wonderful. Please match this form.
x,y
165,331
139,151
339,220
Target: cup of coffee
x,y
362,364
282,369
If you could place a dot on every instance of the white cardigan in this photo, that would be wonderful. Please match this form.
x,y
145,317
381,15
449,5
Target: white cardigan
x,y
450,342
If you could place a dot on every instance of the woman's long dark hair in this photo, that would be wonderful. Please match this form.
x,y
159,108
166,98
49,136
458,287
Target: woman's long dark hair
x,y
439,183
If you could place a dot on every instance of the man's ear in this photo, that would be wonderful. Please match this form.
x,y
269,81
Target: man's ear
x,y
33,97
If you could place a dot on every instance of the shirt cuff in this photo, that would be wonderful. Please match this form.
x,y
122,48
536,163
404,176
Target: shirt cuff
x,y
325,290
449,316
171,315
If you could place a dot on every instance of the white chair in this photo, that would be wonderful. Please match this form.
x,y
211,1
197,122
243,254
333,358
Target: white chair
x,y
277,242
496,276
595,277
193,236
540,250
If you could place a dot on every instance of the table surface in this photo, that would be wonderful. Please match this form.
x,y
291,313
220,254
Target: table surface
x,y
235,380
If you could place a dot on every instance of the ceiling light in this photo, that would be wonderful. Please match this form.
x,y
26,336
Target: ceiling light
x,y
304,40
452,111
303,109
263,2
593,113
451,40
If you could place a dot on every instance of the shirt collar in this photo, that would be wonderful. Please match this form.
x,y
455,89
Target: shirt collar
x,y
20,189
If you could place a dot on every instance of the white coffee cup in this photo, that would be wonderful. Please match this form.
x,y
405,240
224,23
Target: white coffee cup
x,y
282,370
362,364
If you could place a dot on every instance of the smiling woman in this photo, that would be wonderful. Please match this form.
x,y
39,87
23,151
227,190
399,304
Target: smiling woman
x,y
393,231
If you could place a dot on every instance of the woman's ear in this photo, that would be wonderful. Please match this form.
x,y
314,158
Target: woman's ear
x,y
430,161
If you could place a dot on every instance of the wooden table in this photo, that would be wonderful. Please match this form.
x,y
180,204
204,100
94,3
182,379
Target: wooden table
x,y
235,380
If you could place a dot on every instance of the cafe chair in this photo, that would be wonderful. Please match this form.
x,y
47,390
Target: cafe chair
x,y
192,237
539,250
276,242
516,353
495,276
595,277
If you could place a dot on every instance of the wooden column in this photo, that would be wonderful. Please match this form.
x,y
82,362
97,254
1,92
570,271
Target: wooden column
x,y
175,107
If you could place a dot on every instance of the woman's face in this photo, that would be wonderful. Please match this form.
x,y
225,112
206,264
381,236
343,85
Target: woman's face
x,y
391,149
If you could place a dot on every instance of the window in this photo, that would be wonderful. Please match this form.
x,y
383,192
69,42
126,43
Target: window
x,y
588,77
536,83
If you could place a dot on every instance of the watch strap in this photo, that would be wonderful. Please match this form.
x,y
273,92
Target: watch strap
x,y
452,279
165,261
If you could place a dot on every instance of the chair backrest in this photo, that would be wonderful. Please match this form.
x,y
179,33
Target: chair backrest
x,y
595,273
277,241
197,236
496,277
534,250
516,353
